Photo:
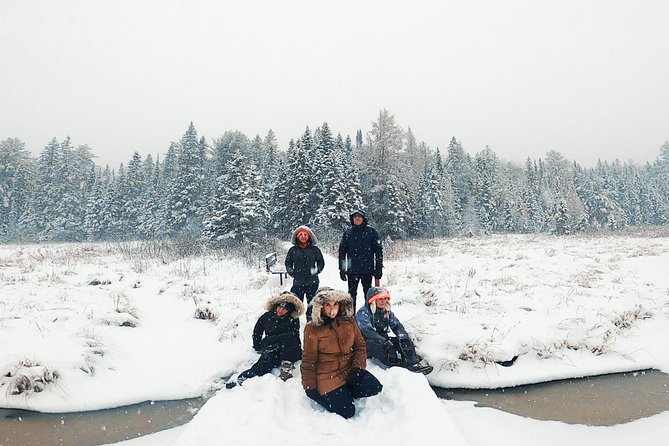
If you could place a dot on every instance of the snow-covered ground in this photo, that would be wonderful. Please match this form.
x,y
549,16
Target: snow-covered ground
x,y
102,325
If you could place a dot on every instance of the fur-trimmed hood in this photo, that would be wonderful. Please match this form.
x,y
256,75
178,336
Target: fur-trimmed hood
x,y
273,301
345,304
312,238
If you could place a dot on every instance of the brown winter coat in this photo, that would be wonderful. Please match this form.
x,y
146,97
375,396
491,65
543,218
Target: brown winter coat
x,y
332,349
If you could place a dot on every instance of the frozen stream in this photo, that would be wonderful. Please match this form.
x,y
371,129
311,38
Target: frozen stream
x,y
599,400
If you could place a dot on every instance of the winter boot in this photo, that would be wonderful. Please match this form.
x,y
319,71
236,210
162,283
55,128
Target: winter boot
x,y
286,370
421,367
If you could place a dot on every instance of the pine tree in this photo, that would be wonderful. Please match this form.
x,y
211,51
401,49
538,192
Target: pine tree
x,y
16,173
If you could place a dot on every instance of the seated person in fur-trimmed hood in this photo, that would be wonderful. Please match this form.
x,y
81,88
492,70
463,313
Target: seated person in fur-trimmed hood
x,y
276,336
376,321
334,358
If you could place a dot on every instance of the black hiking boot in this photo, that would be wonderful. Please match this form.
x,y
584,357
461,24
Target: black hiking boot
x,y
286,370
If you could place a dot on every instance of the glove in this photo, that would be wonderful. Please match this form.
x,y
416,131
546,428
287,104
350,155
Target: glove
x,y
313,394
388,346
342,276
378,274
354,376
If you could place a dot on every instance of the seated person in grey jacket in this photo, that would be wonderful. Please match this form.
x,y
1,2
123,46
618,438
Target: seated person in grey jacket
x,y
376,322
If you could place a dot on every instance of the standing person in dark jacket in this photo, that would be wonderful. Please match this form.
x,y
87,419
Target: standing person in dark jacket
x,y
360,255
376,321
276,336
304,262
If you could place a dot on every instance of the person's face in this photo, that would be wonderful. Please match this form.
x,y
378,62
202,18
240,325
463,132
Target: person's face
x,y
381,302
330,309
357,219
302,236
281,311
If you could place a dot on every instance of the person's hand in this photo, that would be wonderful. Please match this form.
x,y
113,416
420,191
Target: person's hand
x,y
354,376
342,276
378,274
313,394
388,346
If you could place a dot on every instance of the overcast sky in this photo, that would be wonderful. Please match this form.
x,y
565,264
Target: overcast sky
x,y
588,78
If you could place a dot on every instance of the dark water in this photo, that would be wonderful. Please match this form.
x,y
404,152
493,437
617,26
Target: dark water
x,y
603,400
598,400
25,428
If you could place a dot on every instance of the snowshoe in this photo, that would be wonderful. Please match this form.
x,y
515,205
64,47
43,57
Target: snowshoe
x,y
286,370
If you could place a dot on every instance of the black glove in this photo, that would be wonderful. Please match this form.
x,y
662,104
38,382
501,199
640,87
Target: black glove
x,y
378,274
313,394
342,276
388,346
354,376
257,348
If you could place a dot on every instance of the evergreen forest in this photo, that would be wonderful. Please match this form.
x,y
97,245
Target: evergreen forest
x,y
238,191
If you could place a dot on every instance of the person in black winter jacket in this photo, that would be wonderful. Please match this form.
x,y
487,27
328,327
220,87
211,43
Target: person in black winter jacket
x,y
360,255
376,322
304,262
276,336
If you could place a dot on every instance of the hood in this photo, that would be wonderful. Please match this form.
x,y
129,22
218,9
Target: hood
x,y
273,301
361,212
373,291
344,299
312,238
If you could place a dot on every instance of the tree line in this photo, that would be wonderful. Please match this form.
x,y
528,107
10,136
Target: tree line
x,y
241,191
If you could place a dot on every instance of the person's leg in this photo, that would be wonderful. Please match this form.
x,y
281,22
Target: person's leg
x,y
298,290
291,349
353,282
364,385
407,349
310,292
338,401
269,358
375,350
366,284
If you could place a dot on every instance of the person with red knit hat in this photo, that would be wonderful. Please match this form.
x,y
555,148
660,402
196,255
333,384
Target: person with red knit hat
x,y
304,262
376,322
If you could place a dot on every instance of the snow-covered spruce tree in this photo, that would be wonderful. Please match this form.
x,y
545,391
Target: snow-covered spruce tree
x,y
486,189
353,189
271,162
16,172
129,194
97,226
301,183
380,164
459,168
281,196
185,191
149,202
56,209
333,213
532,213
240,206
435,213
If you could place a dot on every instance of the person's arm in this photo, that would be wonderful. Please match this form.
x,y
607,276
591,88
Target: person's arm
x,y
359,349
320,261
289,262
309,359
366,323
377,247
396,326
343,249
258,331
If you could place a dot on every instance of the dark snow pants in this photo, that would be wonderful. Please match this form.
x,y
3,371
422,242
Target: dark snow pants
x,y
354,280
272,355
305,291
340,400
403,354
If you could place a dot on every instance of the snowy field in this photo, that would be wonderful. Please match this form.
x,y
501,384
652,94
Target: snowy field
x,y
89,326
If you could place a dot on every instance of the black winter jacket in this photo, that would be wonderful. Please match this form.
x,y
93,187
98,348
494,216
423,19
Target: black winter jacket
x,y
275,329
360,250
304,264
